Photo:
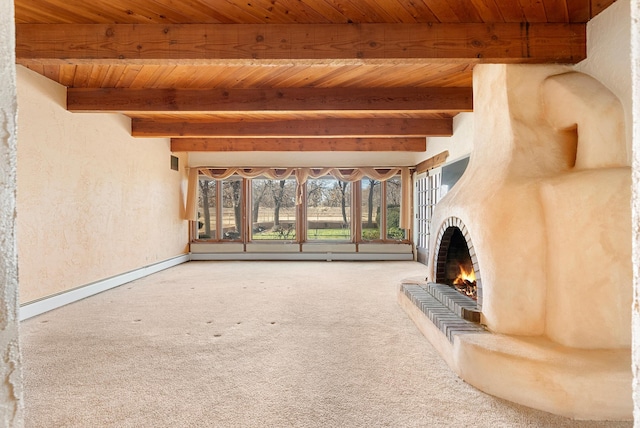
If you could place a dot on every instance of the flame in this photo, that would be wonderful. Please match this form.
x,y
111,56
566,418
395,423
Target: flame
x,y
465,275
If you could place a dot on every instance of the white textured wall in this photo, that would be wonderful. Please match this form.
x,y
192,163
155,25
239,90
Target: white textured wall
x,y
10,362
635,72
459,145
93,202
302,159
608,55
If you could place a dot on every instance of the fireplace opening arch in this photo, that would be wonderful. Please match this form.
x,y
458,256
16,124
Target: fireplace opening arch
x,y
455,257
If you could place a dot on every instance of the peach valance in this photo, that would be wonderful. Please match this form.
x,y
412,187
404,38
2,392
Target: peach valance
x,y
302,175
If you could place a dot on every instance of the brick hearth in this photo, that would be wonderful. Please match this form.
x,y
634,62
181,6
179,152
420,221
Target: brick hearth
x,y
450,311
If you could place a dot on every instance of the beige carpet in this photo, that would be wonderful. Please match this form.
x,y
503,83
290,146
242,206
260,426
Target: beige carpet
x,y
252,344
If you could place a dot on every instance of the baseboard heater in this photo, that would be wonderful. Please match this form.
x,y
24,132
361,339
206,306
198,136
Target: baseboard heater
x,y
326,256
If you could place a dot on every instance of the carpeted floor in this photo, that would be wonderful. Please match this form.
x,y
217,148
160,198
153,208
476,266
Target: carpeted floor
x,y
252,344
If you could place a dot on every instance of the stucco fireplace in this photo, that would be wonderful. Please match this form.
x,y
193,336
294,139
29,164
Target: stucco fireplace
x,y
543,210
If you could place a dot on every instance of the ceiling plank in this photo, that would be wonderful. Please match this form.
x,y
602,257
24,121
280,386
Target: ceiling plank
x,y
426,100
298,144
578,10
465,11
205,43
511,11
488,10
556,11
533,10
318,128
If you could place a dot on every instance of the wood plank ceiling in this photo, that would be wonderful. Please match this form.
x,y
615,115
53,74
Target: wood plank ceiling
x,y
299,75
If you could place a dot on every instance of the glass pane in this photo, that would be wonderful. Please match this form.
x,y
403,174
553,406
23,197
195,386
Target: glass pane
x,y
206,208
394,194
232,208
328,209
273,210
370,209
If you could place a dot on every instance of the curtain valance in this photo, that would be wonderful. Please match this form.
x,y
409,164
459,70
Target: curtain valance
x,y
222,173
301,175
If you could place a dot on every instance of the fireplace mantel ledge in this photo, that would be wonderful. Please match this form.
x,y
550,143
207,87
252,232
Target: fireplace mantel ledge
x,y
534,371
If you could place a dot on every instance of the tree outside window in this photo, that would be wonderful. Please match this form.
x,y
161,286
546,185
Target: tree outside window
x,y
207,208
273,209
232,208
371,200
393,188
220,220
328,209
375,195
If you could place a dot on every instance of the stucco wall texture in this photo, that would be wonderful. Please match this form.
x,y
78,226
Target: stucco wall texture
x,y
459,145
635,71
93,202
608,56
10,361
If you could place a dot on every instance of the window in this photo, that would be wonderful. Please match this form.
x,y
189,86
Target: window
x,y
328,209
232,208
377,194
451,173
428,193
220,221
273,209
393,194
371,200
422,207
268,204
207,212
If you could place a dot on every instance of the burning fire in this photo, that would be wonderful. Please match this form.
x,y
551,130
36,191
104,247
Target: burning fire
x,y
465,282
463,276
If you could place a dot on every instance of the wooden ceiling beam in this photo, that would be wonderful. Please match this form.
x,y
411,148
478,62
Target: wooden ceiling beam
x,y
425,100
432,162
316,128
207,43
400,144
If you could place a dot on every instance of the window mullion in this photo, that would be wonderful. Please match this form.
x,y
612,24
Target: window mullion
x,y
219,211
302,215
245,228
383,210
356,211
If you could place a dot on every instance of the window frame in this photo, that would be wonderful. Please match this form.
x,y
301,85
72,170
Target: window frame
x,y
195,229
249,210
305,220
219,211
428,193
355,211
382,227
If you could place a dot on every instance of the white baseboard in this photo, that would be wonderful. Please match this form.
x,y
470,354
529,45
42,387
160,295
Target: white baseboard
x,y
37,307
46,304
